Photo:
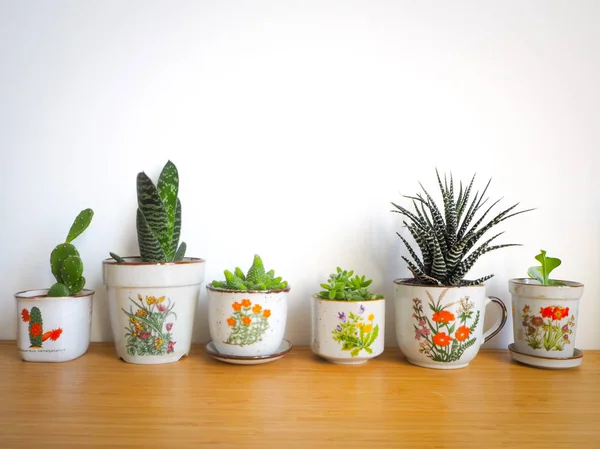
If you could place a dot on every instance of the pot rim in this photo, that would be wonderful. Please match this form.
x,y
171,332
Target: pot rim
x,y
44,297
347,301
533,283
209,286
402,281
138,262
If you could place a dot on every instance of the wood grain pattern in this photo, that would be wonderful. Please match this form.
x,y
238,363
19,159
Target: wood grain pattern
x,y
299,401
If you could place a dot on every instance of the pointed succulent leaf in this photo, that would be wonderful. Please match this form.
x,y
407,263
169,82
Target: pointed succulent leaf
x,y
150,248
117,257
412,253
438,271
151,207
168,188
256,273
179,255
176,228
239,273
82,221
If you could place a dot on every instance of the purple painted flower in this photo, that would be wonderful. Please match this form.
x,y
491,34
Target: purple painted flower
x,y
566,337
565,328
339,328
425,332
418,334
422,323
169,327
342,316
537,321
361,309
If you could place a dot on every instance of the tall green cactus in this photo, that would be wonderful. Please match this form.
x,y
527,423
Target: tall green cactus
x,y
36,328
65,262
158,218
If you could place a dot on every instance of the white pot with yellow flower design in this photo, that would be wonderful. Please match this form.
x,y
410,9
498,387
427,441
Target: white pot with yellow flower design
x,y
347,320
247,313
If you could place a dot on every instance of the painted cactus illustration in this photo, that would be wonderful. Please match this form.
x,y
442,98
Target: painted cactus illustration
x,y
36,328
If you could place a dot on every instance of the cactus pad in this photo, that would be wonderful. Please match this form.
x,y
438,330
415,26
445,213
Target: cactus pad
x,y
59,290
80,224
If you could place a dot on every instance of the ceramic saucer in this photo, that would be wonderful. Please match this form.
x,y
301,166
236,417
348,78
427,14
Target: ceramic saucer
x,y
546,362
283,349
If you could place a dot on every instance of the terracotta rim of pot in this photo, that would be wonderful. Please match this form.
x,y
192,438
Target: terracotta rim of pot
x,y
44,297
138,261
226,290
535,283
347,300
404,281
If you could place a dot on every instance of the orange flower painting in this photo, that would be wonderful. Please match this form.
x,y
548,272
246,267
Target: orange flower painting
x,y
547,330
444,335
248,323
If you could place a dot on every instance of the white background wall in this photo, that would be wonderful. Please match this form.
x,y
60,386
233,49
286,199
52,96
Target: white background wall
x,y
294,125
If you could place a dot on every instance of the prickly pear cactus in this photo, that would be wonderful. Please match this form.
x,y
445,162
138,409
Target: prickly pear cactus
x,y
36,328
65,262
255,279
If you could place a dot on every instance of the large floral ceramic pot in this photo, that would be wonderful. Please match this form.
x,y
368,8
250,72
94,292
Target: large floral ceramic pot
x,y
53,329
442,327
545,317
152,307
247,323
348,332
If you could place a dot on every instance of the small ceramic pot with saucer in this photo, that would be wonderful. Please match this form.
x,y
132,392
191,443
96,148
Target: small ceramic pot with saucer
x,y
545,317
283,349
546,362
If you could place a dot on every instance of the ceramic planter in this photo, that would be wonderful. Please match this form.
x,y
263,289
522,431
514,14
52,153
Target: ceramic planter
x,y
53,329
442,327
152,307
348,332
247,323
545,317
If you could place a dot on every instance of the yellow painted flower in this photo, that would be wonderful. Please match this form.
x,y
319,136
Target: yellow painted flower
x,y
158,342
371,317
151,300
368,328
359,325
139,297
159,300
141,312
132,320
526,309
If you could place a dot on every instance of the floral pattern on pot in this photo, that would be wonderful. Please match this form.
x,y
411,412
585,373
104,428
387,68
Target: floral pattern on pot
x,y
445,337
248,323
36,330
354,333
148,332
547,329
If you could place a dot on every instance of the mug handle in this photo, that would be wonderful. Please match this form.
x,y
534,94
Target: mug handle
x,y
499,323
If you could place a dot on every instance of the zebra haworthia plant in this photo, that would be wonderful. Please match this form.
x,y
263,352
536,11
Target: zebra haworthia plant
x,y
65,262
445,235
158,217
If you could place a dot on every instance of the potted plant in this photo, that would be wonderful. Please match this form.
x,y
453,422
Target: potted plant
x,y
348,321
545,311
439,313
152,298
247,313
54,324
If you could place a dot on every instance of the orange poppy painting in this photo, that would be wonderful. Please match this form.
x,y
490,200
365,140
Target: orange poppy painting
x,y
445,335
547,329
248,323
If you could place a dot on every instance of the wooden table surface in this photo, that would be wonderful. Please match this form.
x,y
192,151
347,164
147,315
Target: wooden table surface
x,y
299,401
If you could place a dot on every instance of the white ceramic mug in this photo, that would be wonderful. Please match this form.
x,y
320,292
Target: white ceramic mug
x,y
442,327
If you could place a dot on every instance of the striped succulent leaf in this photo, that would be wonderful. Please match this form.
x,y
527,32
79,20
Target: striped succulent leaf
x,y
446,237
159,216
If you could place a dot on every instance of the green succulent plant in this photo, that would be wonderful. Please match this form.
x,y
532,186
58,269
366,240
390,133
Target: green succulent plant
x,y
158,219
255,279
542,272
446,236
341,285
65,262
